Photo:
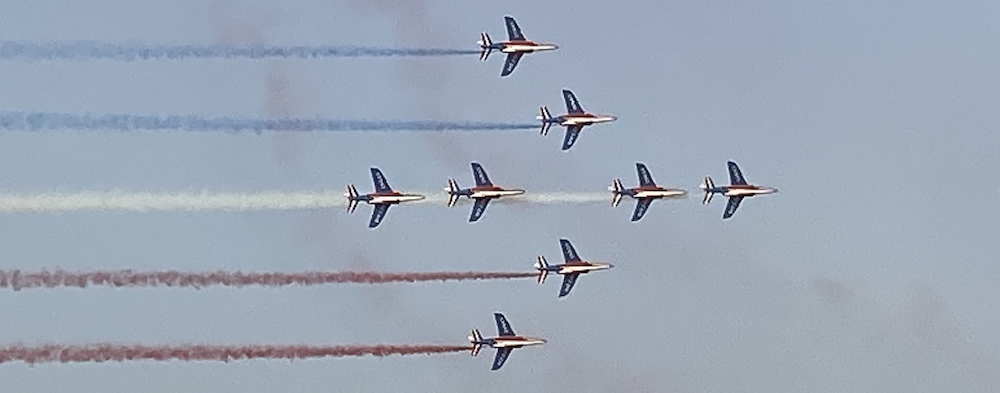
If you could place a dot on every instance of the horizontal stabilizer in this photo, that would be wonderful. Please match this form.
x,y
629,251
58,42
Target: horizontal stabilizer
x,y
542,267
352,198
616,188
452,192
546,118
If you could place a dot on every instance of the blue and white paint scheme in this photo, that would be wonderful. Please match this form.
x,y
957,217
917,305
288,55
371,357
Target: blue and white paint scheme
x,y
515,46
505,341
571,269
383,197
737,189
645,194
482,193
574,120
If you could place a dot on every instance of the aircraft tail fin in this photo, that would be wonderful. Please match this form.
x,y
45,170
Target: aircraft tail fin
x,y
617,188
452,192
486,46
476,339
707,185
545,117
542,267
352,198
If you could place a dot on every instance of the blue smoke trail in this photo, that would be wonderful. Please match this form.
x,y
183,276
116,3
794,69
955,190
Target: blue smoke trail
x,y
92,50
41,121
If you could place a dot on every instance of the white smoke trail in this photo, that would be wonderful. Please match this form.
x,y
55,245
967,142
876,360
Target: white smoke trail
x,y
91,50
145,201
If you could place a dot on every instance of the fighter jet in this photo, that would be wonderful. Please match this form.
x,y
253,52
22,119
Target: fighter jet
x,y
573,120
515,47
736,190
570,270
505,341
645,194
483,192
382,198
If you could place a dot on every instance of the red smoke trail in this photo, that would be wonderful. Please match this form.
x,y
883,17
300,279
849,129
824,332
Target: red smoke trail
x,y
17,280
64,353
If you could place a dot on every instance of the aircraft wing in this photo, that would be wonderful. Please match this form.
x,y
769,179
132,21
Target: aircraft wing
x,y
511,63
513,30
572,132
479,208
378,213
735,175
502,355
381,185
567,284
734,203
569,253
572,105
641,206
503,327
645,179
480,174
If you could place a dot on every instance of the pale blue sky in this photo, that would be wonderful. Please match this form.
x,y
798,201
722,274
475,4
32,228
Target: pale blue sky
x,y
873,270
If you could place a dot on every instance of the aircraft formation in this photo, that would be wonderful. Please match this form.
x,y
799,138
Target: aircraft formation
x,y
484,191
575,119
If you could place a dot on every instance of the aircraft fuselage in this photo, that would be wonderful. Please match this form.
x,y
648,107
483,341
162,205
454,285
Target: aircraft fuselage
x,y
493,193
748,190
486,192
391,199
512,341
655,193
584,267
520,46
584,120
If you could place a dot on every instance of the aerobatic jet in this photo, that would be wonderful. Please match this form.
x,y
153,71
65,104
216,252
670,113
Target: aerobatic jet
x,y
574,120
515,46
571,269
483,192
381,199
645,194
736,190
504,342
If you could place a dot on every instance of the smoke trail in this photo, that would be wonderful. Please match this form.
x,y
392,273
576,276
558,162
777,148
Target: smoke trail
x,y
18,280
92,50
145,202
40,121
67,353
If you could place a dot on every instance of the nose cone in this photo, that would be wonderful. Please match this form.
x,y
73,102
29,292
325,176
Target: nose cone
x,y
554,46
614,118
611,265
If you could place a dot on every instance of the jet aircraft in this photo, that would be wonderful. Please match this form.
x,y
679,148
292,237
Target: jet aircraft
x,y
571,269
736,190
483,192
515,47
574,120
505,341
645,194
381,199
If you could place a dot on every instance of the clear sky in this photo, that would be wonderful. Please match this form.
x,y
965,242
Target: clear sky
x,y
873,270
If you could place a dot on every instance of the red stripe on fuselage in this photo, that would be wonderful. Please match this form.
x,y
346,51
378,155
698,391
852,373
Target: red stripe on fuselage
x,y
486,188
520,42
